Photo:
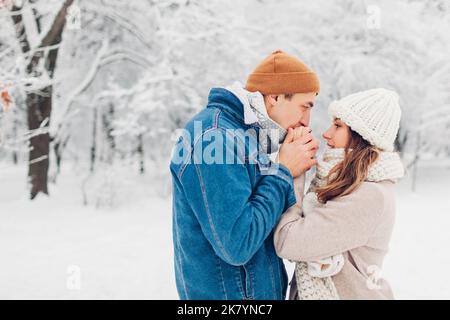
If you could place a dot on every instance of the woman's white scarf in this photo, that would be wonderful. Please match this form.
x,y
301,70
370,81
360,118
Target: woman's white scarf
x,y
387,167
313,280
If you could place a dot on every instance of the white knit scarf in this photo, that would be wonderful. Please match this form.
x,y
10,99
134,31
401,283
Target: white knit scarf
x,y
388,166
271,135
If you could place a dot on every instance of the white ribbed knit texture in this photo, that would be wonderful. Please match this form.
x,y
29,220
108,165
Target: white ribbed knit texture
x,y
313,288
374,114
388,166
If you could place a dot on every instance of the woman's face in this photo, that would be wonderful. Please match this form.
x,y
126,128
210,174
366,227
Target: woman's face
x,y
338,135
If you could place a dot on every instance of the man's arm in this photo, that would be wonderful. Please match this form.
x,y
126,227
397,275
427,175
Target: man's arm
x,y
236,218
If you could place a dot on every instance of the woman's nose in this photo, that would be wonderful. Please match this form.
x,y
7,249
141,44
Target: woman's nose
x,y
328,135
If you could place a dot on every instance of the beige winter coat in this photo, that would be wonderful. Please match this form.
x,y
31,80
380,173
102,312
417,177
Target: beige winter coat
x,y
358,225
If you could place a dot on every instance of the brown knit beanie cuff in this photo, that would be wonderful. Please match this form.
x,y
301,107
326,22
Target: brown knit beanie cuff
x,y
283,83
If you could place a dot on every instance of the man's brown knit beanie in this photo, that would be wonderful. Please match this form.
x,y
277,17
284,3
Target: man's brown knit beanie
x,y
281,73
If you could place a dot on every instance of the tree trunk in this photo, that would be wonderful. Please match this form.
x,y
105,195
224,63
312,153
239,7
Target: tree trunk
x,y
400,141
58,146
39,105
94,140
38,111
140,152
15,156
107,119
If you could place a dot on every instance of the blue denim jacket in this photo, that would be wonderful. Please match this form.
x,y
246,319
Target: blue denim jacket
x,y
224,214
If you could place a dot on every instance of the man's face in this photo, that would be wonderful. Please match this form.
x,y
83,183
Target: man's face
x,y
290,112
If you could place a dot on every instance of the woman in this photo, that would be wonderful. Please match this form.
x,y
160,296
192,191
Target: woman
x,y
340,235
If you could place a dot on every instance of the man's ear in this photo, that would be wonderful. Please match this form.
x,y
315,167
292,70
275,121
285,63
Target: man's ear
x,y
272,99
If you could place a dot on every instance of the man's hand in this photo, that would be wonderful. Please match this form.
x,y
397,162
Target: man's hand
x,y
298,151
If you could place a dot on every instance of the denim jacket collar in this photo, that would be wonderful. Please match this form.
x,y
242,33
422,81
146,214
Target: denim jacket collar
x,y
228,102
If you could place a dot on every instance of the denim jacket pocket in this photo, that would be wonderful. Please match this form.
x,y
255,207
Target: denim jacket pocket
x,y
248,282
265,165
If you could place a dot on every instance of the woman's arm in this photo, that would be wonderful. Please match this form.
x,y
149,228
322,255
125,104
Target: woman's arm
x,y
340,225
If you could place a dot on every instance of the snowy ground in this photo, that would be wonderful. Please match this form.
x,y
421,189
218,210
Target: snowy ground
x,y
48,245
420,250
122,253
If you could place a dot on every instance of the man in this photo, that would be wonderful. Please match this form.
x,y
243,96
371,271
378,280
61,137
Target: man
x,y
232,182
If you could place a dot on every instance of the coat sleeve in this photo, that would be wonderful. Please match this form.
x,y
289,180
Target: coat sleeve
x,y
235,216
340,225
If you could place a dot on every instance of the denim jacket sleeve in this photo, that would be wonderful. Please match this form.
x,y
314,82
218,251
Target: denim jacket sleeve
x,y
236,216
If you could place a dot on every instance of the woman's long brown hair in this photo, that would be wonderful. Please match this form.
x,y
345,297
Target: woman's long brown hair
x,y
347,176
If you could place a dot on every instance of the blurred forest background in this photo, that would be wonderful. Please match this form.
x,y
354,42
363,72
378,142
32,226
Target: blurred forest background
x,y
103,85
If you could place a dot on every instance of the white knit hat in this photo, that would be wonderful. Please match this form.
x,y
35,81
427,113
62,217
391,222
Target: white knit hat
x,y
374,114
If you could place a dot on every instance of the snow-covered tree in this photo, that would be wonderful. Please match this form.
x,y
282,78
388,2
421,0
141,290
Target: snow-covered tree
x,y
124,76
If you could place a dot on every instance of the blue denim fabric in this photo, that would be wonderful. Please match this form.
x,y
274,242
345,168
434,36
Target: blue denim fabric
x,y
224,214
